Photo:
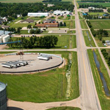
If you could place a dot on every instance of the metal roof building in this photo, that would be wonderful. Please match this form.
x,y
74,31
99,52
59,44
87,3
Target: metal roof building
x,y
38,14
3,97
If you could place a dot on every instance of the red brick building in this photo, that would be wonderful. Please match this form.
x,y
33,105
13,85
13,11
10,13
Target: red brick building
x,y
47,25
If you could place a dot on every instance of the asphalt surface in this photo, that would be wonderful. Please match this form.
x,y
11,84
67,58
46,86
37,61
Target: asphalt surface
x,y
89,98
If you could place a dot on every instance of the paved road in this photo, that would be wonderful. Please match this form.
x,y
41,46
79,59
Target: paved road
x,y
89,98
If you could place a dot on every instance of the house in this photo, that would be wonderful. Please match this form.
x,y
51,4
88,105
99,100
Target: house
x,y
47,25
5,27
37,14
4,38
49,21
28,21
19,15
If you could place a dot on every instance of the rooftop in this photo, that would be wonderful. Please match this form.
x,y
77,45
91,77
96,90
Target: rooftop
x,y
2,86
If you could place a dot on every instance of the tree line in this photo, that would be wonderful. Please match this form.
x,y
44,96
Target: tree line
x,y
95,1
34,42
96,10
106,56
11,10
86,6
51,0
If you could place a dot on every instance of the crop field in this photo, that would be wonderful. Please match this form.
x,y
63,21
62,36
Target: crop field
x,y
44,86
100,24
103,4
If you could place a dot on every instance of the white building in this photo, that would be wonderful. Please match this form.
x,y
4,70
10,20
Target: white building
x,y
4,38
59,12
38,14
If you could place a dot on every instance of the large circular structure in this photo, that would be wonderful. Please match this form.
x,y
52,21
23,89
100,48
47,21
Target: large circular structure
x,y
34,63
3,97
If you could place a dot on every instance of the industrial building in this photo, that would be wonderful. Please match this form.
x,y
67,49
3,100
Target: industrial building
x,y
42,56
59,12
4,38
3,97
38,14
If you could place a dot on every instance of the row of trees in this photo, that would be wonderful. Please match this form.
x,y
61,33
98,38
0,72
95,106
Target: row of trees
x,y
11,10
86,6
95,1
106,56
95,17
51,0
34,42
99,33
96,10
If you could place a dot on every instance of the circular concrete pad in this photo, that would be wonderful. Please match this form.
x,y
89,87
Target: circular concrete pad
x,y
34,63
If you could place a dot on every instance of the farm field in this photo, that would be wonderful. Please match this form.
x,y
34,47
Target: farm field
x,y
83,24
64,108
100,24
104,100
88,42
87,3
44,86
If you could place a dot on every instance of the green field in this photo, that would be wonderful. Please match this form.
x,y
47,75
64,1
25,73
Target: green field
x,y
103,4
96,13
104,100
88,42
70,24
83,24
44,86
64,108
100,24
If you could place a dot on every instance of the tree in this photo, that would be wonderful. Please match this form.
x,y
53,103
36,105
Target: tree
x,y
64,24
29,26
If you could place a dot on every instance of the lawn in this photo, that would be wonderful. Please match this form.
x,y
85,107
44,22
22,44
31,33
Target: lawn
x,y
46,86
104,100
83,24
96,13
88,42
63,40
20,24
64,108
100,24
70,24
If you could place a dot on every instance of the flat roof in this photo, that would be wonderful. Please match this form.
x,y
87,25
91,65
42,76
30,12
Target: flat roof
x,y
2,86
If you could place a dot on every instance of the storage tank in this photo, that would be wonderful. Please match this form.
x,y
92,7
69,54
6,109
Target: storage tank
x,y
3,97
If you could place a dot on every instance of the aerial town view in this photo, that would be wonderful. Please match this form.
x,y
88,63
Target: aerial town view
x,y
54,54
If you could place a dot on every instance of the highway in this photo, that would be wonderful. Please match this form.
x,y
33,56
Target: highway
x,y
88,95
88,99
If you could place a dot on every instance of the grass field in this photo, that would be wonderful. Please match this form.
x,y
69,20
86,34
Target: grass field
x,y
16,25
63,40
100,24
104,100
83,24
96,13
103,4
88,42
44,86
70,24
64,108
